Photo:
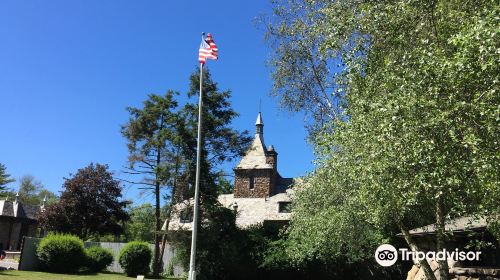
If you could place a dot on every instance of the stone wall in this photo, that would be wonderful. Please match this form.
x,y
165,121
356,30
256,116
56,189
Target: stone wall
x,y
262,185
272,158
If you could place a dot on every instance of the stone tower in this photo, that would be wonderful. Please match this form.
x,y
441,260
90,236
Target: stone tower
x,y
256,175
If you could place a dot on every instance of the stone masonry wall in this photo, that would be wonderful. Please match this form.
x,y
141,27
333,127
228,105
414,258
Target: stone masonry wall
x,y
272,158
262,183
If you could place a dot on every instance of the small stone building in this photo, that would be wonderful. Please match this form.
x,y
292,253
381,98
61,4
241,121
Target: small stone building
x,y
260,194
16,221
461,231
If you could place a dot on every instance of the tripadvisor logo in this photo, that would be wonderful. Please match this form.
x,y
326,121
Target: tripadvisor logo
x,y
387,255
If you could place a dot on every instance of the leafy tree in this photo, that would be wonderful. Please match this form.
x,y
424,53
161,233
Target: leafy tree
x,y
140,227
418,134
32,191
4,177
89,205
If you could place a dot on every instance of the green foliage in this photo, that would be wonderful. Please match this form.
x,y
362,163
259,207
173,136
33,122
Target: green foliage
x,y
61,253
32,191
224,186
135,258
90,205
220,143
162,140
98,258
141,225
154,152
4,177
242,255
170,269
415,139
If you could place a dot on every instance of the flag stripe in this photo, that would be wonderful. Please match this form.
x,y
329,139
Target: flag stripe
x,y
208,49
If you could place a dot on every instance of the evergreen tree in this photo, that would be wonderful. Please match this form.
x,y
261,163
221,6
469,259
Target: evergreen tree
x,y
153,146
220,144
4,177
162,140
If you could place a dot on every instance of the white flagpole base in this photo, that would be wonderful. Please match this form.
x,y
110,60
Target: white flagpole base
x,y
192,275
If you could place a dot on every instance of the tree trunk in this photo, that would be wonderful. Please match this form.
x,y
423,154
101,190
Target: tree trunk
x,y
414,247
164,243
156,262
156,258
440,238
173,201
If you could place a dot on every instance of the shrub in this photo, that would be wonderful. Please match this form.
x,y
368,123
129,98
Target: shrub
x,y
135,258
61,253
98,258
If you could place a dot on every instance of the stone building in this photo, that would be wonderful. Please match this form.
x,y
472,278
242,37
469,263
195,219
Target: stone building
x,y
260,194
460,233
16,221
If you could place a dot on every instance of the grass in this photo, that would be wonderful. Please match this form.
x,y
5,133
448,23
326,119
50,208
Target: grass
x,y
28,275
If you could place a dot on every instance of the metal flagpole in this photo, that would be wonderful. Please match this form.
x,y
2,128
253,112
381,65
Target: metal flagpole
x,y
192,260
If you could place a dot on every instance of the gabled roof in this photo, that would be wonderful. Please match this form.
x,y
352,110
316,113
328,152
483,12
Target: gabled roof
x,y
18,210
457,225
255,157
251,211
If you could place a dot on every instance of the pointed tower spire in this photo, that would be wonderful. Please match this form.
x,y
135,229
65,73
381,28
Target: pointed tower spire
x,y
42,207
259,125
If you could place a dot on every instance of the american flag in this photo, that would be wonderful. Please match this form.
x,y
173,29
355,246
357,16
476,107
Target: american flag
x,y
208,49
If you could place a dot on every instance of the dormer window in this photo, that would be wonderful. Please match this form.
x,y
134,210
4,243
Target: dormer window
x,y
186,215
284,207
251,182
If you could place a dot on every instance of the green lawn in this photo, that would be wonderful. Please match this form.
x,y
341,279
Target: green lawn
x,y
28,275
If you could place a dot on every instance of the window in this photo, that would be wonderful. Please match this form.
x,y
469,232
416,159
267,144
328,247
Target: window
x,y
251,182
186,216
284,207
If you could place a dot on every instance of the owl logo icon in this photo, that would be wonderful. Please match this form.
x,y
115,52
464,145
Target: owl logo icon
x,y
386,255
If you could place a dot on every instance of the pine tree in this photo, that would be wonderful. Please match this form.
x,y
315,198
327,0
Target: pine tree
x,y
4,177
162,147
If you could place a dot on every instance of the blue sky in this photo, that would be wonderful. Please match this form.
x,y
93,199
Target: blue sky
x,y
68,70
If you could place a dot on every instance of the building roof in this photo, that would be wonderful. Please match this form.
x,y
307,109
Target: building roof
x,y
259,120
255,157
251,211
283,184
16,209
458,225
